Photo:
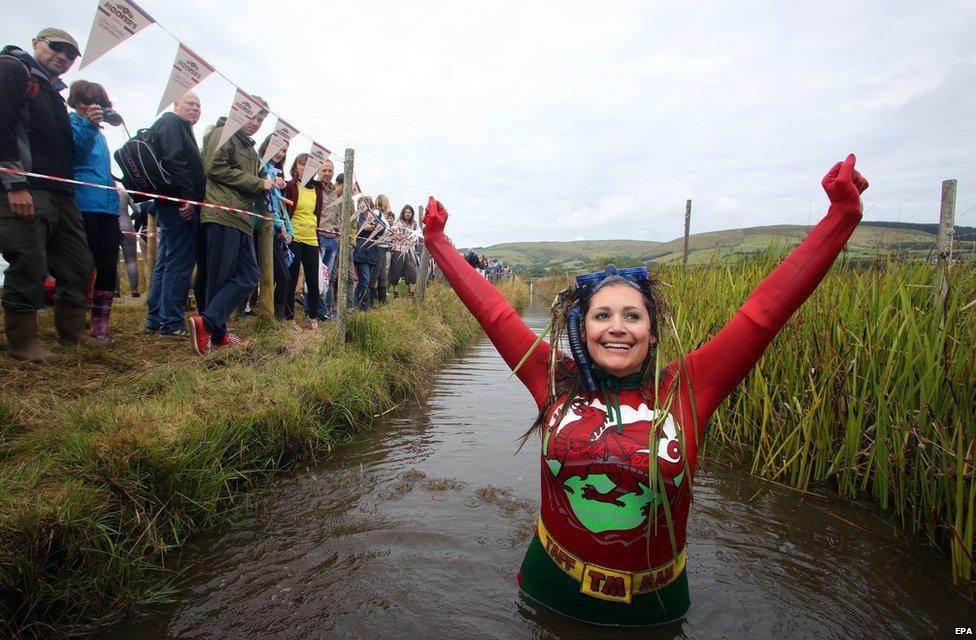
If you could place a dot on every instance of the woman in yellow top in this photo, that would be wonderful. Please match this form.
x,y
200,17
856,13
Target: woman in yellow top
x,y
304,210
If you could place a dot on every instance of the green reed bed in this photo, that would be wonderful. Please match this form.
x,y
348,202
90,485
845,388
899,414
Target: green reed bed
x,y
862,389
110,459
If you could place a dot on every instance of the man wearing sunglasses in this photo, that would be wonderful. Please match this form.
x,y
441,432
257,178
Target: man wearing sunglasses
x,y
41,229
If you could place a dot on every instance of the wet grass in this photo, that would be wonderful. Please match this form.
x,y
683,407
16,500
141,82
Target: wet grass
x,y
110,459
861,390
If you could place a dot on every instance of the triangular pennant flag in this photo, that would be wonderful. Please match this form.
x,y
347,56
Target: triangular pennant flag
x,y
355,188
243,109
283,133
115,21
316,157
188,70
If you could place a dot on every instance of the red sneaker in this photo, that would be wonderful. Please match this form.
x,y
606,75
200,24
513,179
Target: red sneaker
x,y
199,336
229,340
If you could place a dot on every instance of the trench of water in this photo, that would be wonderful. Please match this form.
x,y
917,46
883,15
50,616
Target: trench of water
x,y
416,528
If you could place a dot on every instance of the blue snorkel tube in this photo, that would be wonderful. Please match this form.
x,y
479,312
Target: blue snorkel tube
x,y
573,333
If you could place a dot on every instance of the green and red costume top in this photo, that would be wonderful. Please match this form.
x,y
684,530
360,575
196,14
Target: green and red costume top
x,y
598,506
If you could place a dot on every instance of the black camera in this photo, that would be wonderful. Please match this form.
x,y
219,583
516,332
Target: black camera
x,y
111,116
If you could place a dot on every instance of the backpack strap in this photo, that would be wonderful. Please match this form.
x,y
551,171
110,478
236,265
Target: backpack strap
x,y
33,86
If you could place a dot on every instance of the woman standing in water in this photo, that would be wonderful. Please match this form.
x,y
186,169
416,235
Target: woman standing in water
x,y
619,435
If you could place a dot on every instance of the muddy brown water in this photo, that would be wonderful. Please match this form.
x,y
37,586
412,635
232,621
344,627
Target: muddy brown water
x,y
417,528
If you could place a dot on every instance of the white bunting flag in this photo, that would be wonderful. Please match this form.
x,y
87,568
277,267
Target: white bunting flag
x,y
188,70
316,158
283,133
244,108
115,21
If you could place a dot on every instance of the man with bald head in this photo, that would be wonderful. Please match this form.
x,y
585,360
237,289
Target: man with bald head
x,y
177,224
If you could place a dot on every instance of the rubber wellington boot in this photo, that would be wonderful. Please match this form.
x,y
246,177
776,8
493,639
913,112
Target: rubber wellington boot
x,y
70,323
21,329
101,312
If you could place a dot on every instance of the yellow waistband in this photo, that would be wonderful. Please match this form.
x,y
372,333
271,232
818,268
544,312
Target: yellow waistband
x,y
610,584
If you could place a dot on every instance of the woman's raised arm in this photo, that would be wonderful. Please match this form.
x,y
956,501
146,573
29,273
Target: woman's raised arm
x,y
506,330
718,366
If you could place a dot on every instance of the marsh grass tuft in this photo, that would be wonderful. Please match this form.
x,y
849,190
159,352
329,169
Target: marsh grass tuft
x,y
110,459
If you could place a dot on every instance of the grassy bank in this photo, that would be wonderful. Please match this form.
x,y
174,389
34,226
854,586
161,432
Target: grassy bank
x,y
861,389
111,458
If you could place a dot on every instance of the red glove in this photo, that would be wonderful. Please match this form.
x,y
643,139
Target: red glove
x,y
435,217
844,185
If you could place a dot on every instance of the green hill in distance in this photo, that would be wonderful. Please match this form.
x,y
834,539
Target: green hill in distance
x,y
871,239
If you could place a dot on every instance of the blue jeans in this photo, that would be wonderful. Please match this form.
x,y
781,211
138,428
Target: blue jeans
x,y
232,274
175,257
329,250
363,270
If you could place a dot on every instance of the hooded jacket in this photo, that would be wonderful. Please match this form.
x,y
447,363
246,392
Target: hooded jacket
x,y
35,133
232,178
93,164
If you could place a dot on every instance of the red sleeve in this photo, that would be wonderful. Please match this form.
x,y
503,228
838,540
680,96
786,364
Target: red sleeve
x,y
506,330
291,193
718,366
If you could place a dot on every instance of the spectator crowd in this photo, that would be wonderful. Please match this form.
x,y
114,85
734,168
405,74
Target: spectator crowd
x,y
64,240
493,269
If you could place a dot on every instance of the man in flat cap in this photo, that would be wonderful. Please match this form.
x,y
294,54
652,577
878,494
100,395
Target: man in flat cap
x,y
41,229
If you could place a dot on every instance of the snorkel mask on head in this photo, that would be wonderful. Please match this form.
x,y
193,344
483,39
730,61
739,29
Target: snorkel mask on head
x,y
631,276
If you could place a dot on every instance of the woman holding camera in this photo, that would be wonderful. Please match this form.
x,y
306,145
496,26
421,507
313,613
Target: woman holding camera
x,y
99,207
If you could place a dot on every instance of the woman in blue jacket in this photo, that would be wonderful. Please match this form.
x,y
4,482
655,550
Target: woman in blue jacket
x,y
99,207
274,205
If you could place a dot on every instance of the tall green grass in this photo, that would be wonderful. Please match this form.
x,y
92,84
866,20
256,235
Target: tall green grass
x,y
95,489
861,389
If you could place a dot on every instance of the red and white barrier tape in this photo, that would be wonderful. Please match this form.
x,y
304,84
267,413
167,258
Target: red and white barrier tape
x,y
156,196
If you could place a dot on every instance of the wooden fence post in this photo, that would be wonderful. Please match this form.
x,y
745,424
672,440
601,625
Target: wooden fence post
x,y
947,216
424,262
684,259
342,281
151,245
266,265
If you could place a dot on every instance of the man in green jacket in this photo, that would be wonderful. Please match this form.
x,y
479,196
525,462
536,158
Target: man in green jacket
x,y
231,266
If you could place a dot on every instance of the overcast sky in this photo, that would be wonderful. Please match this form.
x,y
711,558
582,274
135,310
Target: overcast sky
x,y
571,120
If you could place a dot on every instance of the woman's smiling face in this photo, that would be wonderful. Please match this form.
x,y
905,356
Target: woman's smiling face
x,y
618,330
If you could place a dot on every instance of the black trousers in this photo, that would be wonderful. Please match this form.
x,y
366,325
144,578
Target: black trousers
x,y
104,240
283,282
306,257
200,280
